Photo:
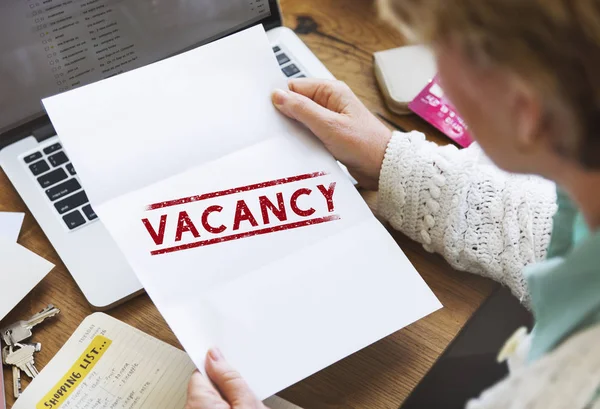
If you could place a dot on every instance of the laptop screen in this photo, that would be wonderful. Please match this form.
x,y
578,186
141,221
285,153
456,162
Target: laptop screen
x,y
51,46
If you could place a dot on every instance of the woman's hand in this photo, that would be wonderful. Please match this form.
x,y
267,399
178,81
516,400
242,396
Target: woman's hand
x,y
336,116
230,391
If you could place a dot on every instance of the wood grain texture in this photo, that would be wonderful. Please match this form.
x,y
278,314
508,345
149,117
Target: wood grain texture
x,y
343,34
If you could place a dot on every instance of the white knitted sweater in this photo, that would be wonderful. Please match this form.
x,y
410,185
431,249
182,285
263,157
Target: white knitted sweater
x,y
485,221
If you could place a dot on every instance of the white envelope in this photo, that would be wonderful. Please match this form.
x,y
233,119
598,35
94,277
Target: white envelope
x,y
168,152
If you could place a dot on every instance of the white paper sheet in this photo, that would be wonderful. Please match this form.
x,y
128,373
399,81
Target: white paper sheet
x,y
10,225
20,271
284,297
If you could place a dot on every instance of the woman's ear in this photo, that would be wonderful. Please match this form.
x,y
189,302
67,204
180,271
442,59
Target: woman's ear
x,y
528,114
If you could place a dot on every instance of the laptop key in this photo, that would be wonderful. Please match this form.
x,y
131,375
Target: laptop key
x,y
32,157
276,49
38,168
74,219
52,178
89,212
290,70
71,169
71,202
52,148
58,159
282,58
65,188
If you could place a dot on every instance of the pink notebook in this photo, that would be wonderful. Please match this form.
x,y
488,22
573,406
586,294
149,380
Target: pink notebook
x,y
432,105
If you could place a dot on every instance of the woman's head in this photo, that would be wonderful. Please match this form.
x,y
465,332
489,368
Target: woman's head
x,y
525,74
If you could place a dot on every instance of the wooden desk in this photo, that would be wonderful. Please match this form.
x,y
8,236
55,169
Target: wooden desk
x,y
344,34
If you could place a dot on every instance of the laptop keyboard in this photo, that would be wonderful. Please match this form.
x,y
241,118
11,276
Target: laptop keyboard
x,y
289,68
57,177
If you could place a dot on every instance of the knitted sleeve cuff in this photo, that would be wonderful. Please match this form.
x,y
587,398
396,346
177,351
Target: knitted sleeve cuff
x,y
409,185
396,167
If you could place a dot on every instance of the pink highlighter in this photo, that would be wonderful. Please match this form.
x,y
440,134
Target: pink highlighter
x,y
432,105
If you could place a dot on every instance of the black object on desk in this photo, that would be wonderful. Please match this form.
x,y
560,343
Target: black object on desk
x,y
468,366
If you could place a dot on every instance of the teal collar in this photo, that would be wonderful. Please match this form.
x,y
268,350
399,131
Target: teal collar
x,y
562,226
565,294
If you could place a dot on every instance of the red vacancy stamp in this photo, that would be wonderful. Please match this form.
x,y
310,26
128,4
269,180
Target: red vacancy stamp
x,y
257,209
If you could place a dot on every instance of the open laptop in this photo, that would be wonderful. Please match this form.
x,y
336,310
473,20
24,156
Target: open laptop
x,y
51,46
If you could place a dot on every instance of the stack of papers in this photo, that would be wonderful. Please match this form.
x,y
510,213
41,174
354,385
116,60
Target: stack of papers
x,y
240,225
20,269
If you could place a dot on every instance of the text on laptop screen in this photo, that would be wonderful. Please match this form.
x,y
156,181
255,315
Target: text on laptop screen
x,y
51,46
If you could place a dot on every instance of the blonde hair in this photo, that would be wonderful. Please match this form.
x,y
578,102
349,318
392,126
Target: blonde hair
x,y
552,44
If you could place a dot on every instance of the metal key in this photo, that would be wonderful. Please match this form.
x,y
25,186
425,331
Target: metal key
x,y
21,330
23,359
7,350
16,372
37,346
16,382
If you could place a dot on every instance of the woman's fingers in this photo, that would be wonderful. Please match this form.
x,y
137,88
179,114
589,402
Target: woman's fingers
x,y
345,126
228,389
304,110
230,383
202,394
333,95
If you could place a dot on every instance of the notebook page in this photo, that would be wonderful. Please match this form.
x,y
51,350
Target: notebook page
x,y
109,364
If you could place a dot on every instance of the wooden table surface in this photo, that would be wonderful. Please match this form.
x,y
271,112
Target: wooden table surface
x,y
343,34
